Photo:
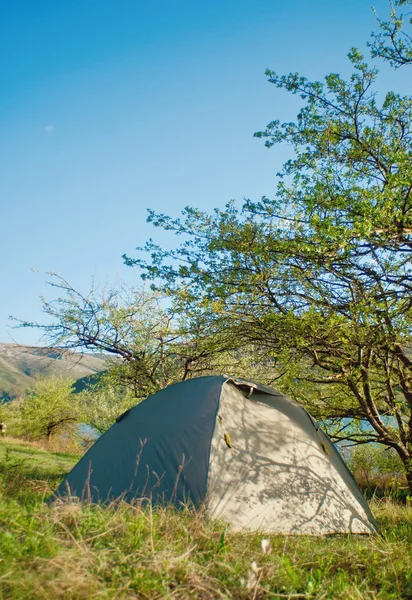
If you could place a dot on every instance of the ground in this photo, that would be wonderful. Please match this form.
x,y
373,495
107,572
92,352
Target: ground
x,y
83,552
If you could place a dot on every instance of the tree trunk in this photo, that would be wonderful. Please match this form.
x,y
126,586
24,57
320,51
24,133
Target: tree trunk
x,y
407,463
408,468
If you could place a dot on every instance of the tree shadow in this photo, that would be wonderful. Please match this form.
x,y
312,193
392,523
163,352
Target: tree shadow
x,y
281,473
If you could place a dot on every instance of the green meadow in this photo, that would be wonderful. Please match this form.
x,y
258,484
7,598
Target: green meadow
x,y
78,551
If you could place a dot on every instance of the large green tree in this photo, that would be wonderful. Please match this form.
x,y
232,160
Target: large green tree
x,y
318,278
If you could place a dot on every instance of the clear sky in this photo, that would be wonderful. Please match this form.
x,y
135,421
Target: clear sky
x,y
109,107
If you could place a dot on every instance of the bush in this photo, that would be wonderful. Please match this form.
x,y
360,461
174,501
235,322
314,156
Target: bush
x,y
379,472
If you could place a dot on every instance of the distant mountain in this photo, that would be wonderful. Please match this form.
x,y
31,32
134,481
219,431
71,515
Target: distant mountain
x,y
19,366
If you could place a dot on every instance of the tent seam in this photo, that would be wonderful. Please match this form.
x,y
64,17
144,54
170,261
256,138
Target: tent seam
x,y
224,381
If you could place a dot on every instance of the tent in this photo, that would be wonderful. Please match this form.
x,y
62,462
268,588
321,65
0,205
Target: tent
x,y
249,454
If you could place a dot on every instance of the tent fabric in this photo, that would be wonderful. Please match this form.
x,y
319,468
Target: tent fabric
x,y
160,448
251,455
279,474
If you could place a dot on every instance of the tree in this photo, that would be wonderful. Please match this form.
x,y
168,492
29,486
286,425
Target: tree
x,y
49,408
152,344
319,278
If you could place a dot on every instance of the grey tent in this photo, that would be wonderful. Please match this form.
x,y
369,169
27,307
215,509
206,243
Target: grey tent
x,y
254,457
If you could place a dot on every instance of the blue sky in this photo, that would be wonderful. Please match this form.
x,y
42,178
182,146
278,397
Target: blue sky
x,y
108,108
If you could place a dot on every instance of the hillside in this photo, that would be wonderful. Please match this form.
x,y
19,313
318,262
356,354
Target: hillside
x,y
19,366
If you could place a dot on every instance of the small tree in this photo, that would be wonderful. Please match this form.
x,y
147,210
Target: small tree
x,y
49,409
152,344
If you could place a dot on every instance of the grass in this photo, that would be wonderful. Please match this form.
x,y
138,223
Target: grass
x,y
32,466
83,552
